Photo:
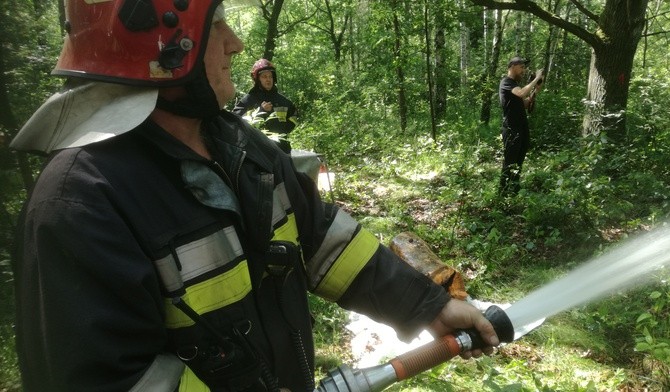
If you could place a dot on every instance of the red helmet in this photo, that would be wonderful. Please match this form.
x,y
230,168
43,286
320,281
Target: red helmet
x,y
135,42
263,65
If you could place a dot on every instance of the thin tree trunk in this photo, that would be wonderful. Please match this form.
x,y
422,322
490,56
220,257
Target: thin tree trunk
x,y
400,74
429,72
550,44
464,48
353,49
528,36
489,87
440,63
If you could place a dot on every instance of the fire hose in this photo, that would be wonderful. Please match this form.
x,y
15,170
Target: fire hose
x,y
402,367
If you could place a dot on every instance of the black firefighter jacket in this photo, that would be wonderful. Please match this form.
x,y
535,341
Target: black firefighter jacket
x,y
117,233
249,107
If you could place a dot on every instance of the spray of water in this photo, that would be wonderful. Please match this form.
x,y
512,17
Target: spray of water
x,y
623,267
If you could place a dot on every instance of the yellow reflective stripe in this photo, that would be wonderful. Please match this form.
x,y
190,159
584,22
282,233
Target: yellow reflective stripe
x,y
211,294
347,266
288,231
189,382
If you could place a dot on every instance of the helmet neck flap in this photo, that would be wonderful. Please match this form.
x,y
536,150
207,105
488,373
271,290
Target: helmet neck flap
x,y
200,100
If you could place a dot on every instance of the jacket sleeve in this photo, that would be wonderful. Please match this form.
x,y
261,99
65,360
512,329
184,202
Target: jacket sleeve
x,y
89,309
388,290
291,117
245,104
347,264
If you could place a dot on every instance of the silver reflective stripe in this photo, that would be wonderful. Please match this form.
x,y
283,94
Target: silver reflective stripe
x,y
199,257
170,276
340,233
162,376
280,204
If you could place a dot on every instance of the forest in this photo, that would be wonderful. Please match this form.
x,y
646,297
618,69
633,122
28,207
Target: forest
x,y
401,99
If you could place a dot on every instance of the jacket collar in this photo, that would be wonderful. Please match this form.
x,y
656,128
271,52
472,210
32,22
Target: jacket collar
x,y
234,139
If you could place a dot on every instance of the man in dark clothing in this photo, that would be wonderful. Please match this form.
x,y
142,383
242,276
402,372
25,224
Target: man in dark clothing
x,y
169,246
265,108
515,132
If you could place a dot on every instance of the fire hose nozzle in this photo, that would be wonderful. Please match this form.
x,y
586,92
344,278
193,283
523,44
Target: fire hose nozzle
x,y
377,378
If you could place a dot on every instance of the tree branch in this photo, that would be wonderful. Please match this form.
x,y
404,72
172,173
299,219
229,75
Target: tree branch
x,y
653,17
532,7
585,10
656,33
266,9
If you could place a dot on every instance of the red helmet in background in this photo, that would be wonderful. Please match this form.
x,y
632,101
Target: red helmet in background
x,y
263,65
136,42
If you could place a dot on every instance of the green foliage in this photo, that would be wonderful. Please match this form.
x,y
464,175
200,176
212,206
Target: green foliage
x,y
31,44
653,328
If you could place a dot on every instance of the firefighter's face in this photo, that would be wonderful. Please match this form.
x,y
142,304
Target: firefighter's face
x,y
221,46
267,81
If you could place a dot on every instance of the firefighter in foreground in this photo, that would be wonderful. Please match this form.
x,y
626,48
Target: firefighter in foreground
x,y
169,246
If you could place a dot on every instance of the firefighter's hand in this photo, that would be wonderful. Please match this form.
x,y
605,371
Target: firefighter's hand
x,y
458,314
267,106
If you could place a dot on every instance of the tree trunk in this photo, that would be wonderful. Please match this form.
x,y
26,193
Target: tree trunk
x,y
528,36
353,48
273,27
489,77
429,72
336,38
400,74
622,23
550,44
464,43
440,63
564,47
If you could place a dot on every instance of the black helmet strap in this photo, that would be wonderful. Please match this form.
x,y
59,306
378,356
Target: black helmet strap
x,y
200,101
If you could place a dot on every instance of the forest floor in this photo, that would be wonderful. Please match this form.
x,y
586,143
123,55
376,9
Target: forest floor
x,y
582,349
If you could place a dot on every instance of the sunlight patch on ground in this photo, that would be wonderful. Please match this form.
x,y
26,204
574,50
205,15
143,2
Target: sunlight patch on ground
x,y
373,343
431,175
